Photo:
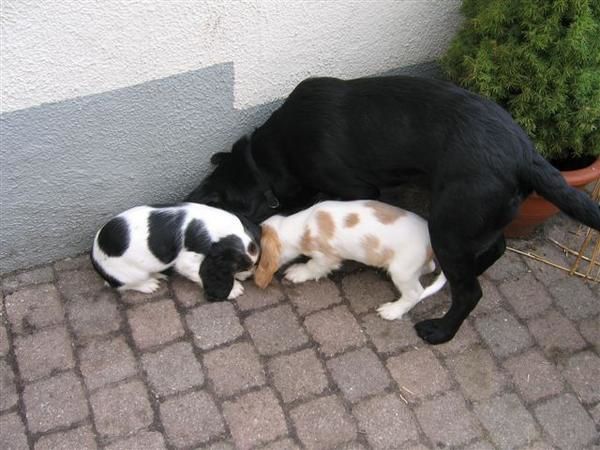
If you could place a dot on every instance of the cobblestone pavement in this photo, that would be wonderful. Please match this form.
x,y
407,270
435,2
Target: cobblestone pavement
x,y
308,366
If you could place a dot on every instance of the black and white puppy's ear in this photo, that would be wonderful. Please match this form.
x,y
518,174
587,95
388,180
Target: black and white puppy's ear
x,y
225,258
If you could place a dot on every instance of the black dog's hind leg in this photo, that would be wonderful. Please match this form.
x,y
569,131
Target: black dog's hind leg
x,y
462,248
460,271
486,259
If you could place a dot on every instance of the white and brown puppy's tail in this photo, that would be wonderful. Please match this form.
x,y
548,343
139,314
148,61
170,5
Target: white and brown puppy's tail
x,y
434,287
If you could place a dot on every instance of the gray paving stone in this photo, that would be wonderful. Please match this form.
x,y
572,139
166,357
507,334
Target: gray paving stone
x,y
154,324
283,444
121,410
386,420
367,290
94,315
14,281
508,422
191,419
298,375
74,282
527,296
335,330
44,352
595,413
275,330
81,438
408,368
575,298
221,445
80,262
583,374
510,265
4,347
313,295
173,369
390,335
323,423
544,272
255,418
590,329
556,334
107,361
566,422
55,402
491,300
534,376
13,433
477,373
255,298
234,368
33,308
502,333
446,420
214,324
187,293
480,445
358,374
466,338
9,396
144,440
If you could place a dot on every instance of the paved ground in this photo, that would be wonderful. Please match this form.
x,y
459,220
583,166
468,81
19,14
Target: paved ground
x,y
307,366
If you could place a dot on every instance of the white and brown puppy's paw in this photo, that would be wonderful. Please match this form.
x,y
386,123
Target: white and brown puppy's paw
x,y
299,273
236,290
392,310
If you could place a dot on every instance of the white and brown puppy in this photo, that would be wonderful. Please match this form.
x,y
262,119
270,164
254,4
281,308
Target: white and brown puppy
x,y
370,232
207,245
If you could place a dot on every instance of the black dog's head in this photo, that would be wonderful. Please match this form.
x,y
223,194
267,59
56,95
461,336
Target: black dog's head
x,y
234,186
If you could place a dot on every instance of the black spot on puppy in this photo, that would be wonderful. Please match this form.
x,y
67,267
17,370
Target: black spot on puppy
x,y
164,234
109,279
113,238
196,237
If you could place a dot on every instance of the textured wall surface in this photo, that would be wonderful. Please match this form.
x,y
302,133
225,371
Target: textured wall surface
x,y
56,50
112,104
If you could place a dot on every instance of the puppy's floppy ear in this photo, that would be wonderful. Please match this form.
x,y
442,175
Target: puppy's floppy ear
x,y
269,257
219,157
224,259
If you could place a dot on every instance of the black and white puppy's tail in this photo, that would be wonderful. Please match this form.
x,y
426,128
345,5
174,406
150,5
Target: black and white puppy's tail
x,y
550,184
437,284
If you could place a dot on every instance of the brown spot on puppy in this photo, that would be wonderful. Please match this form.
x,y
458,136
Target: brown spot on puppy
x,y
269,257
326,224
307,243
376,256
386,214
351,220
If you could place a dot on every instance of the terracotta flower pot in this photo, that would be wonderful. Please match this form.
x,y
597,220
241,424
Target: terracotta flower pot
x,y
535,209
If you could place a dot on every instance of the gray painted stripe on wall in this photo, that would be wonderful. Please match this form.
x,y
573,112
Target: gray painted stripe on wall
x,y
67,167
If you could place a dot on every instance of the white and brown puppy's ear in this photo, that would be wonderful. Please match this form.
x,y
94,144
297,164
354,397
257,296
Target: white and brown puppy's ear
x,y
269,257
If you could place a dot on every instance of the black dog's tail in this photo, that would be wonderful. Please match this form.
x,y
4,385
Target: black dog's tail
x,y
550,184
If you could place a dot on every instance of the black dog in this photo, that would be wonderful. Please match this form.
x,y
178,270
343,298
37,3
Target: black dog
x,y
349,139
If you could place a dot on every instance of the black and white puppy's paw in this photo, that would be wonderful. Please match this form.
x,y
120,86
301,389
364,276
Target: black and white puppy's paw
x,y
209,246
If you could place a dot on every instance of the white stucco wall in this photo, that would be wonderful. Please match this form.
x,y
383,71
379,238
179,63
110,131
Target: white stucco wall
x,y
53,50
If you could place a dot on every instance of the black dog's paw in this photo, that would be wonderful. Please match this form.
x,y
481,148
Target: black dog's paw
x,y
434,331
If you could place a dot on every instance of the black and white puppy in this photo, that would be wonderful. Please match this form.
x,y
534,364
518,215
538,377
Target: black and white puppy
x,y
209,246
